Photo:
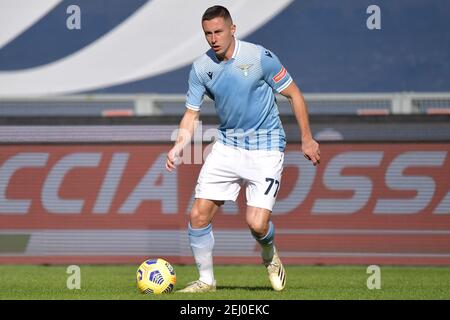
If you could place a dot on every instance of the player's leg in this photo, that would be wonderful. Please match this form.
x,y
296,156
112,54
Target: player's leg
x,y
201,237
263,230
217,182
201,240
263,176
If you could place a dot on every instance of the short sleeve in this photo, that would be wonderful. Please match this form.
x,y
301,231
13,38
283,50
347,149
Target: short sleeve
x,y
194,96
275,74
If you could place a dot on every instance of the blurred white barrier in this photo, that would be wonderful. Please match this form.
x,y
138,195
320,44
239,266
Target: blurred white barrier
x,y
173,104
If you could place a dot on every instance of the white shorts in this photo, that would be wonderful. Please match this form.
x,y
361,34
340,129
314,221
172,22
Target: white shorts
x,y
228,168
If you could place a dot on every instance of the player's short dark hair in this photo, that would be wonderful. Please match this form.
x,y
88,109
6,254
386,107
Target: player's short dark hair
x,y
216,12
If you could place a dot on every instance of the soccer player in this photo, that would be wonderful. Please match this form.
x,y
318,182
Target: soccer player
x,y
241,78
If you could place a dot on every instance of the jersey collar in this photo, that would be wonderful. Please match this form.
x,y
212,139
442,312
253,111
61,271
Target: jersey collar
x,y
237,46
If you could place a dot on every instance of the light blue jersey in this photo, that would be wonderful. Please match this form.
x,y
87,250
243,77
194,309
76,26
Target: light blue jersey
x,y
243,91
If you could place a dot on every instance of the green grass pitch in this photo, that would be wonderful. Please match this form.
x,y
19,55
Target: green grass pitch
x,y
246,282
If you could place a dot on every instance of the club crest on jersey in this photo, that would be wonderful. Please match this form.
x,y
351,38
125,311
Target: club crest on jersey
x,y
245,68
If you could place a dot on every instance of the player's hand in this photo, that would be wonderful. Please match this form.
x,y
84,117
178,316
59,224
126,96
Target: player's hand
x,y
173,158
311,151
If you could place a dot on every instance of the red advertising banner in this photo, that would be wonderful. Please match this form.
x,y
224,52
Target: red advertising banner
x,y
366,203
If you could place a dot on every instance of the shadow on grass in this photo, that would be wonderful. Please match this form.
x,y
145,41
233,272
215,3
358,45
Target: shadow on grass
x,y
259,288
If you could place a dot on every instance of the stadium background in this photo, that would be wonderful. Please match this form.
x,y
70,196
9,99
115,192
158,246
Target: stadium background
x,y
87,116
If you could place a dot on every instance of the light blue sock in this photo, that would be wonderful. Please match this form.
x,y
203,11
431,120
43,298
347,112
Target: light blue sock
x,y
266,242
202,244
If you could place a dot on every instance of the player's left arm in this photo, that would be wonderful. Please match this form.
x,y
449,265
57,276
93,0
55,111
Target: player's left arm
x,y
310,147
276,75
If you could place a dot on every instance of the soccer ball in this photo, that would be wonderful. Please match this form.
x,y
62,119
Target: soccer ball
x,y
155,276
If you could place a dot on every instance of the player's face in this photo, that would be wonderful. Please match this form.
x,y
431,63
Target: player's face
x,y
219,33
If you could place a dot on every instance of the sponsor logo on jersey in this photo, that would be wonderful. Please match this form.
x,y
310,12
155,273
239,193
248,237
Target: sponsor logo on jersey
x,y
267,53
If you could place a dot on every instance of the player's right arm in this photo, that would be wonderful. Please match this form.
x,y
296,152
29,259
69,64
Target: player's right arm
x,y
194,99
186,130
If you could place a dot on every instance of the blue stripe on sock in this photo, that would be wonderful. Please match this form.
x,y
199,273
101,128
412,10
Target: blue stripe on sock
x,y
268,238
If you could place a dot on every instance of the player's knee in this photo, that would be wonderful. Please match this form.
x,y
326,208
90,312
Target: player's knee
x,y
198,219
258,228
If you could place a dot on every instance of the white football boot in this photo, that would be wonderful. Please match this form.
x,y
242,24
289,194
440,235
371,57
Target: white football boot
x,y
198,286
275,269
